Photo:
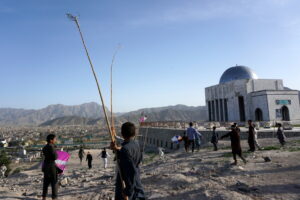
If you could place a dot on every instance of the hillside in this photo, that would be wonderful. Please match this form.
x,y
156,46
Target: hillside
x,y
91,114
169,113
10,116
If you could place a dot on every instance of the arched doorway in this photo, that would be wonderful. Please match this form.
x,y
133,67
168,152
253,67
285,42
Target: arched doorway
x,y
285,113
259,115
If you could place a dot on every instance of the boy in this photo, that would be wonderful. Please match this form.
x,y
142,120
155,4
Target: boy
x,y
235,143
129,157
49,167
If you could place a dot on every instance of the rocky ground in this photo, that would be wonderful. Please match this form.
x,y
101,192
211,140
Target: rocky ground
x,y
183,176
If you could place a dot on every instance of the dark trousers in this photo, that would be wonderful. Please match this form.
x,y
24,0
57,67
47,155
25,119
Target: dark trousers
x,y
54,186
90,164
239,154
192,142
215,146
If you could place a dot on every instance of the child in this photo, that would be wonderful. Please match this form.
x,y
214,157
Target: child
x,y
129,157
235,143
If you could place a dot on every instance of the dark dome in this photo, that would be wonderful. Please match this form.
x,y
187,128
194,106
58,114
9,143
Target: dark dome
x,y
237,73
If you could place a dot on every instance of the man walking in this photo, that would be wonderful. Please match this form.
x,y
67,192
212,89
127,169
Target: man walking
x,y
49,167
191,134
234,135
215,139
89,159
81,154
251,136
280,135
104,156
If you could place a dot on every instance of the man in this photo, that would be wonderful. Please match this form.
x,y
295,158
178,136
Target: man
x,y
251,136
3,169
256,138
185,140
89,159
215,139
129,157
81,154
280,135
191,134
49,167
104,156
235,143
198,138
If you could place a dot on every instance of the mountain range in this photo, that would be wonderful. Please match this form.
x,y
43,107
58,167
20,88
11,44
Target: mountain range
x,y
92,113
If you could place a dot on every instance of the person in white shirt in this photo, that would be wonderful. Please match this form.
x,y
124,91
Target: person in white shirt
x,y
104,155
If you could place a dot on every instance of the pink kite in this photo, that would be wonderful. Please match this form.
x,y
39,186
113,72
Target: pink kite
x,y
62,159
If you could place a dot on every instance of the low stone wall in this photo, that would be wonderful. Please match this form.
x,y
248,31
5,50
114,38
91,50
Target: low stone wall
x,y
161,137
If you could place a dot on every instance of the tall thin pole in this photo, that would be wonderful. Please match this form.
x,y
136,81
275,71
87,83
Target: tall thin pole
x,y
111,132
111,90
74,18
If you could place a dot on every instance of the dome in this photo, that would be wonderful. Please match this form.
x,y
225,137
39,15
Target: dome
x,y
237,73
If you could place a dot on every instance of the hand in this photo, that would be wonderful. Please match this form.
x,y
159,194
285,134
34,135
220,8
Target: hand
x,y
125,197
114,146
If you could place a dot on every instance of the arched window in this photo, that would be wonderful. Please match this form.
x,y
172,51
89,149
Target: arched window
x,y
259,115
285,113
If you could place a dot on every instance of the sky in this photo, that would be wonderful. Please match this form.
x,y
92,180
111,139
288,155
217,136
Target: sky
x,y
171,49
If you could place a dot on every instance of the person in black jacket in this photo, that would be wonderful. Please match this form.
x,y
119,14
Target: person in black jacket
x,y
49,168
234,135
89,159
215,139
251,136
129,157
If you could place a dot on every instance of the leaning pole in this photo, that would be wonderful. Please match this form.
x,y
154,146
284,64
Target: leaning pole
x,y
112,135
111,131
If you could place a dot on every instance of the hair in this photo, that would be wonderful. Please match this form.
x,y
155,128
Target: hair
x,y
191,124
250,121
128,130
279,125
50,137
214,127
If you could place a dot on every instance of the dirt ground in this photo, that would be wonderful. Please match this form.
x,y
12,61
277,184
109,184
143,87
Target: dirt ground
x,y
180,176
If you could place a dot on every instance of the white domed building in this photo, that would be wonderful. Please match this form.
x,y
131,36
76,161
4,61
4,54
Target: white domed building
x,y
241,95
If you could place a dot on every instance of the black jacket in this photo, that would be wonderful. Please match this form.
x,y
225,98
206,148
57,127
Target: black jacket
x,y
129,158
49,168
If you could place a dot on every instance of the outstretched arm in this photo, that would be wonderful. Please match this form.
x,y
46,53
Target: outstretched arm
x,y
226,135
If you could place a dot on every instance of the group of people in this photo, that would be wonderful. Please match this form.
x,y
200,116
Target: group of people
x,y
128,158
192,138
89,158
234,135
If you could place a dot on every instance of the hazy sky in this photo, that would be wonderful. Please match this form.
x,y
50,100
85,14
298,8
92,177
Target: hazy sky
x,y
172,49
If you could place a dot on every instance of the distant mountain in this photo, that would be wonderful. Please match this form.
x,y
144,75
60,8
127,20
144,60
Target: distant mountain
x,y
10,116
91,113
169,113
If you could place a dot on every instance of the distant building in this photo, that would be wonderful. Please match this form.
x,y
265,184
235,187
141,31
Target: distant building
x,y
240,96
3,142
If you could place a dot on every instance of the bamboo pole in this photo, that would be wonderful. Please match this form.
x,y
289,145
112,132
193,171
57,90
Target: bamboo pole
x,y
111,131
75,19
111,91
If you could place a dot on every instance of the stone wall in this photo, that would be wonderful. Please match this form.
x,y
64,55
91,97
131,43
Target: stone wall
x,y
161,137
